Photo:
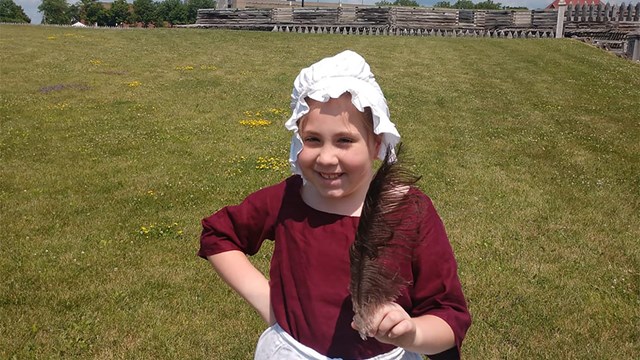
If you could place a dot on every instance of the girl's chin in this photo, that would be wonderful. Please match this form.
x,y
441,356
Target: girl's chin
x,y
330,188
332,194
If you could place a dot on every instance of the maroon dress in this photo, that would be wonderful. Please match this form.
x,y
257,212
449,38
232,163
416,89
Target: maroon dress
x,y
309,275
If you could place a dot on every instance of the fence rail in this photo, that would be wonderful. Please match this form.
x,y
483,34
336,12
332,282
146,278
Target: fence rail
x,y
385,30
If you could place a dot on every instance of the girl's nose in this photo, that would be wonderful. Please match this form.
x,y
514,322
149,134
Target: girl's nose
x,y
327,156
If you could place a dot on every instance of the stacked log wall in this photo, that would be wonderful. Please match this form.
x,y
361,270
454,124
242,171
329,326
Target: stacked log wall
x,y
621,18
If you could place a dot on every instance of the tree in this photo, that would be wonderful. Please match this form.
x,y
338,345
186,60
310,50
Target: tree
x,y
12,12
410,3
172,11
119,12
105,18
144,11
54,12
92,12
73,13
443,4
464,4
194,5
488,5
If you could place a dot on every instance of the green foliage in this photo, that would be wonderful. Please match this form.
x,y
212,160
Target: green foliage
x,y
73,12
443,4
464,4
488,5
194,5
528,148
92,12
408,3
172,11
120,12
55,12
11,12
468,4
144,11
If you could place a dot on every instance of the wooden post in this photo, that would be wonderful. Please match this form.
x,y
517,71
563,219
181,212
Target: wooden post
x,y
560,21
633,45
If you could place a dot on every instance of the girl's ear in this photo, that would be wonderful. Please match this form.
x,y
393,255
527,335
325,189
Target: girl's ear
x,y
378,142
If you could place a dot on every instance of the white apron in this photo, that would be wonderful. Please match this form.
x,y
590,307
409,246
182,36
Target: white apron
x,y
276,344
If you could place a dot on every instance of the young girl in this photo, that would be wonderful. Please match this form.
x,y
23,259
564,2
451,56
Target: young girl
x,y
340,125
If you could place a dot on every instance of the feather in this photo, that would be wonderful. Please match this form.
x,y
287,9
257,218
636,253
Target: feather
x,y
378,239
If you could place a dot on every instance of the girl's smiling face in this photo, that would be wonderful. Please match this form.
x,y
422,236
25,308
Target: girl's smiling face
x,y
337,157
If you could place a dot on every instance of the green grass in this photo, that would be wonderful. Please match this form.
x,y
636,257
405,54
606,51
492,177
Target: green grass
x,y
529,149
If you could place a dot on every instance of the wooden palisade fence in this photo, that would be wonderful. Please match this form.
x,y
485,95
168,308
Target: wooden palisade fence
x,y
604,21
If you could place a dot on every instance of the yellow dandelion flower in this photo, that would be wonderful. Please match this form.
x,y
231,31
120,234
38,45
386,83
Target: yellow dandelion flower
x,y
59,106
271,163
255,122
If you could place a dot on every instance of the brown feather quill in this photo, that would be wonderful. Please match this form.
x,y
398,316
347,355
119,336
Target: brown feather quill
x,y
379,240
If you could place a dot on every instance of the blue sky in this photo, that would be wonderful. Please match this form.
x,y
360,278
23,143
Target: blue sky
x,y
31,6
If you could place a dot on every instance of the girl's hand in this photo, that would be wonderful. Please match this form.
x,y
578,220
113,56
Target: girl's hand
x,y
392,325
426,334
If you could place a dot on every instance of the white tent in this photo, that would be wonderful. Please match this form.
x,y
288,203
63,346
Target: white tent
x,y
79,24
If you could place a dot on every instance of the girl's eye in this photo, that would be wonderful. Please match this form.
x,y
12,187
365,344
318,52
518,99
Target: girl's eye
x,y
346,140
310,139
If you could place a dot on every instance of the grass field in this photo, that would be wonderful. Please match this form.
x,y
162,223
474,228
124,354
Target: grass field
x,y
114,144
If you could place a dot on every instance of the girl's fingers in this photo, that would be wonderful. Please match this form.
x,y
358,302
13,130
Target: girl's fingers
x,y
379,318
400,329
392,316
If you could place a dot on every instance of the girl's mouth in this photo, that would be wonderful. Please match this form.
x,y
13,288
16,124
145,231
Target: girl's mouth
x,y
330,176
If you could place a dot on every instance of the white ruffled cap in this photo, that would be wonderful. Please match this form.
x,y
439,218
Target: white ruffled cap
x,y
331,77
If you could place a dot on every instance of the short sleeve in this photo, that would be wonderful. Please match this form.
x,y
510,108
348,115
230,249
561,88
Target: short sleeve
x,y
437,289
244,226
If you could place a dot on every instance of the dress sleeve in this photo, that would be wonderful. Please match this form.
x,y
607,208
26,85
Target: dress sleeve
x,y
436,289
244,226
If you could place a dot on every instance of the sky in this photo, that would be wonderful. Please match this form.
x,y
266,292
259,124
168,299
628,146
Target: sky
x,y
30,7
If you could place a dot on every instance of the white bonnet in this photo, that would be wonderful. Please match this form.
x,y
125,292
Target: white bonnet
x,y
330,78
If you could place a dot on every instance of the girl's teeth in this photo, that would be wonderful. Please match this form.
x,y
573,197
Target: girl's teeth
x,y
330,176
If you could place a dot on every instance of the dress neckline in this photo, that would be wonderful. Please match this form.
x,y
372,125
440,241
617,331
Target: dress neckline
x,y
297,190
